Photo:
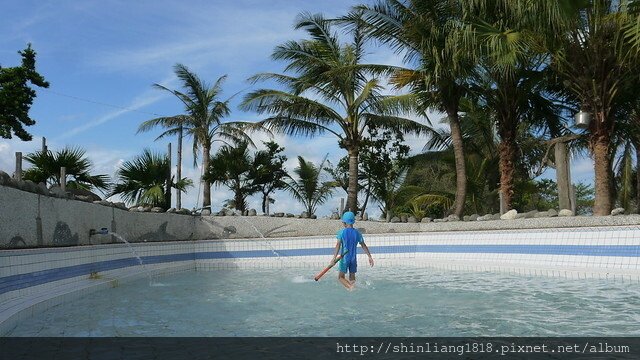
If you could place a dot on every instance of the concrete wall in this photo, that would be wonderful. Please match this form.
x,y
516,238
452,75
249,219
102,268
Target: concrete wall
x,y
30,220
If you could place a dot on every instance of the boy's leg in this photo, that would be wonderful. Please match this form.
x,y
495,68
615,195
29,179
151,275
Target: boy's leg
x,y
344,281
353,268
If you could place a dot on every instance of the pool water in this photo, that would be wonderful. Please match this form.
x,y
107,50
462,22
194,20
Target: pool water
x,y
386,302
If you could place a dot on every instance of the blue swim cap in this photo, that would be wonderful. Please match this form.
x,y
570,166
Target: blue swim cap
x,y
348,218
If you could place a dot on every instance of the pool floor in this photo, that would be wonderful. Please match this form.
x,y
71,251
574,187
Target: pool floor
x,y
386,302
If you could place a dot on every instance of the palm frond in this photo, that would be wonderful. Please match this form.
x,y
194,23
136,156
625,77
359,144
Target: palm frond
x,y
308,187
294,127
400,124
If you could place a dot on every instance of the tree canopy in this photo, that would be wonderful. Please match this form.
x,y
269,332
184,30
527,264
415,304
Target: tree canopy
x,y
16,95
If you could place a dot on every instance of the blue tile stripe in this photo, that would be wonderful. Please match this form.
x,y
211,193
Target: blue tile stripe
x,y
21,281
583,250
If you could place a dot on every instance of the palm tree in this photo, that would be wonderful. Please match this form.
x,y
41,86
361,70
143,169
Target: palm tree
x,y
143,180
46,169
624,176
481,155
173,125
594,56
232,166
309,189
505,38
428,33
269,171
636,144
330,92
520,109
386,190
625,143
203,119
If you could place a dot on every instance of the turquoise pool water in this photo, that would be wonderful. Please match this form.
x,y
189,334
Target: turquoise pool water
x,y
387,302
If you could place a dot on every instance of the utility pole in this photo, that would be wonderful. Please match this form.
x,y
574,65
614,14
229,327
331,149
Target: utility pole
x,y
167,190
18,173
563,175
179,169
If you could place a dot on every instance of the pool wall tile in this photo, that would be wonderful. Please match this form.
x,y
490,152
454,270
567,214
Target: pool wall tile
x,y
35,279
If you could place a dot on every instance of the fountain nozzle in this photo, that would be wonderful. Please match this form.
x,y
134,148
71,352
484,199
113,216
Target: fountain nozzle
x,y
103,231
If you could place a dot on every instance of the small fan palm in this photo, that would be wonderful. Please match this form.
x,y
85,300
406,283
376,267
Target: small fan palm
x,y
232,166
595,56
309,189
46,169
143,180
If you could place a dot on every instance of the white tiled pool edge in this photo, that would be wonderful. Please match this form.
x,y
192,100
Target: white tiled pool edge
x,y
34,280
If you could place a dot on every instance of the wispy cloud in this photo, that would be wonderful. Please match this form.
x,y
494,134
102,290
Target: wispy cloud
x,y
201,43
138,103
147,98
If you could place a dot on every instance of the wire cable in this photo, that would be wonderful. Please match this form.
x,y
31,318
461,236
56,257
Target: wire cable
x,y
100,103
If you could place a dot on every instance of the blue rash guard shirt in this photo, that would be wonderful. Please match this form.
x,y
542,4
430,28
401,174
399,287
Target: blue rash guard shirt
x,y
350,238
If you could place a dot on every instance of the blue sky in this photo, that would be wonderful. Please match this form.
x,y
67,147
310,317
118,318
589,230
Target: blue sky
x,y
102,57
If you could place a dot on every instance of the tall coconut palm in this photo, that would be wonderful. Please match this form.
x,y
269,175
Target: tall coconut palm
x,y
330,91
203,119
428,33
143,180
309,188
46,169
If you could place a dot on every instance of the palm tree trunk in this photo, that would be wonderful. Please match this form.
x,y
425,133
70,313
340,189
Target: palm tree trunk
x,y
603,179
461,172
637,145
265,198
599,143
366,198
562,175
352,193
179,170
167,196
206,194
239,200
309,208
508,150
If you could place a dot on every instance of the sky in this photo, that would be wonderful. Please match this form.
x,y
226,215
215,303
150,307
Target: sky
x,y
102,57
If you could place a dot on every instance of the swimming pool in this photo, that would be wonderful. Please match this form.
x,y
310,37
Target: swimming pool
x,y
392,301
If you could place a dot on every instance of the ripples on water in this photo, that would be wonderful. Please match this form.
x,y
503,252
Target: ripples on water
x,y
386,302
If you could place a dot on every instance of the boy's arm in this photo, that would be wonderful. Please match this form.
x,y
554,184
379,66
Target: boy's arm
x,y
335,252
366,250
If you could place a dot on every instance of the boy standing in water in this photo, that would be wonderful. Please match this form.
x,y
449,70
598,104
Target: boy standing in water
x,y
348,239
